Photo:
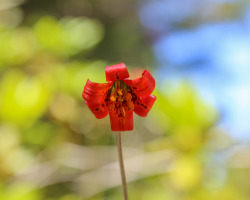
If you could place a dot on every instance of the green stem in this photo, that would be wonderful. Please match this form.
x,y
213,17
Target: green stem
x,y
122,170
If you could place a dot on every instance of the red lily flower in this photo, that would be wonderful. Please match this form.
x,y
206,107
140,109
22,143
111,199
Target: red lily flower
x,y
120,96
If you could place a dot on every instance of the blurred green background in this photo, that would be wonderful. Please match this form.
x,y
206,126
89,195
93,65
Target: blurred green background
x,y
52,147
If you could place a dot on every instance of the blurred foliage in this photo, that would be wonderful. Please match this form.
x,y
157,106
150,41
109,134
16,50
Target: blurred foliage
x,y
52,147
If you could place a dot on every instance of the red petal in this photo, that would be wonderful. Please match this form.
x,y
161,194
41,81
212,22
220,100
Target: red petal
x,y
95,94
122,123
142,86
99,110
116,72
143,105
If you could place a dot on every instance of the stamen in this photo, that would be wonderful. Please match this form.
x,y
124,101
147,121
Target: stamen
x,y
128,96
112,107
113,97
123,111
130,105
120,99
115,85
119,92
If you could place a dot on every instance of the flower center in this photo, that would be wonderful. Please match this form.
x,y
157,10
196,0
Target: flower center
x,y
120,98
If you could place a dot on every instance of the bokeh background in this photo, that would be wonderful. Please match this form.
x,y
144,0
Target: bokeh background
x,y
194,144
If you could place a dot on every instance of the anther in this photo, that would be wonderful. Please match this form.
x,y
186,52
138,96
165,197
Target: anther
x,y
120,99
119,92
123,112
128,96
130,105
113,97
112,107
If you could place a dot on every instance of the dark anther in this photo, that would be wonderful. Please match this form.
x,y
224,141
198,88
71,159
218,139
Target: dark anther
x,y
96,109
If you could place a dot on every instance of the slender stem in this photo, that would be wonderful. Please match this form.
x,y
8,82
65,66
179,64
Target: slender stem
x,y
122,170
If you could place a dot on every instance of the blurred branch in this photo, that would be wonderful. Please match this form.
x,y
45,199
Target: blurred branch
x,y
93,170
137,167
4,5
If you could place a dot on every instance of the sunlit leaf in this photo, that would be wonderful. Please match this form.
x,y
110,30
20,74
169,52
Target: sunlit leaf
x,y
186,173
23,98
69,35
16,46
21,191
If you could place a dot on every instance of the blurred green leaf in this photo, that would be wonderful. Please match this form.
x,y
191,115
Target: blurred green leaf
x,y
17,46
23,98
21,191
187,172
69,35
181,106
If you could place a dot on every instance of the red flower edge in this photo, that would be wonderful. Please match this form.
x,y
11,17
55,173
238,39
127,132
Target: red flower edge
x,y
120,96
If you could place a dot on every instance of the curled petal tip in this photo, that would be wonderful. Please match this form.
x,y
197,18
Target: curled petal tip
x,y
144,105
142,86
116,72
94,95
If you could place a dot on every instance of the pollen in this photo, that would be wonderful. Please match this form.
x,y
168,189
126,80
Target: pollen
x,y
119,92
113,97
128,96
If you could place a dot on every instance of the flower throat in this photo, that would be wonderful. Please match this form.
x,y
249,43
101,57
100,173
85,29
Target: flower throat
x,y
120,98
